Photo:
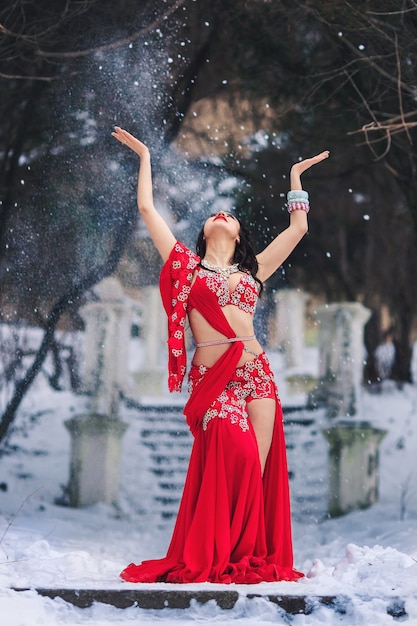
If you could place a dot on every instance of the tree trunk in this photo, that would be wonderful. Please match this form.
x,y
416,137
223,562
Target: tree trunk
x,y
372,337
401,369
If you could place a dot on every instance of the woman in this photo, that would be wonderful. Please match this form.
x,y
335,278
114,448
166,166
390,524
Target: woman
x,y
233,524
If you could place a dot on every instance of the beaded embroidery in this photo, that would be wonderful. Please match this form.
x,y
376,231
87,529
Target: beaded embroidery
x,y
244,295
228,405
252,382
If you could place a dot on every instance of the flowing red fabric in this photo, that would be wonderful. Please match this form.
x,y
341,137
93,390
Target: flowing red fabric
x,y
233,525
175,284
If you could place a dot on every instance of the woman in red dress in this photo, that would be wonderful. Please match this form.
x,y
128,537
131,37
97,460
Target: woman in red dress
x,y
233,524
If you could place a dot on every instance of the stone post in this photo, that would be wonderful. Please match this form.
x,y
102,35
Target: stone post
x,y
95,459
107,324
151,379
96,435
341,357
353,466
290,324
289,336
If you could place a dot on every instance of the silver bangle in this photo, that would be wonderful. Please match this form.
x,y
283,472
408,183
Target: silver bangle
x,y
297,195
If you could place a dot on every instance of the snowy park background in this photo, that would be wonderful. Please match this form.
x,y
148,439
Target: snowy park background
x,y
227,94
368,557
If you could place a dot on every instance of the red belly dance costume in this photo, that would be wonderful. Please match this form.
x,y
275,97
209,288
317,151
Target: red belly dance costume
x,y
233,524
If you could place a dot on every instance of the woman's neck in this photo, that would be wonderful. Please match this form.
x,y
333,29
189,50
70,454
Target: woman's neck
x,y
220,255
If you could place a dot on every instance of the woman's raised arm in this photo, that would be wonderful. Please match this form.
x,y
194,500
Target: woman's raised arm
x,y
158,229
280,248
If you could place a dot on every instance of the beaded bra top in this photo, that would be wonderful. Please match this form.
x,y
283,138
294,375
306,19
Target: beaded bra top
x,y
244,295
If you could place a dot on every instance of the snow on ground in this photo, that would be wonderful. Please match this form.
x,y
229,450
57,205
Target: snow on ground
x,y
369,556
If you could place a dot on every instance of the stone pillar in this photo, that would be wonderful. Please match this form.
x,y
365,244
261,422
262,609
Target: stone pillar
x,y
107,326
95,459
151,378
341,357
290,324
96,435
353,466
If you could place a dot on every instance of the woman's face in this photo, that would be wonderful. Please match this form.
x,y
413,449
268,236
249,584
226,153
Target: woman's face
x,y
222,221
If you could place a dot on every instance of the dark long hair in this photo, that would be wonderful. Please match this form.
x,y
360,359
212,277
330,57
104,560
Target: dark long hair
x,y
244,254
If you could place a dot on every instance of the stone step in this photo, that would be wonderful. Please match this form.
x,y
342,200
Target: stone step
x,y
167,472
170,459
166,433
171,486
225,599
167,443
167,515
167,500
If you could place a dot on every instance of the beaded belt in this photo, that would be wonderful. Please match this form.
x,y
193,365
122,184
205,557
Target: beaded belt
x,y
221,341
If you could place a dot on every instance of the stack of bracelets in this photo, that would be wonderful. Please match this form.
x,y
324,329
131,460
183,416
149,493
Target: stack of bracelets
x,y
297,200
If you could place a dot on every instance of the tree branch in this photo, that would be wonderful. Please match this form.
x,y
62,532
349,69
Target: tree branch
x,y
380,70
47,79
115,44
53,318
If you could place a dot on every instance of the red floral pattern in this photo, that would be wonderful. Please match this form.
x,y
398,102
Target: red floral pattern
x,y
252,381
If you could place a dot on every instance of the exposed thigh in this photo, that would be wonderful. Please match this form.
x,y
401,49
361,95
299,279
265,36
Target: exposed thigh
x,y
262,416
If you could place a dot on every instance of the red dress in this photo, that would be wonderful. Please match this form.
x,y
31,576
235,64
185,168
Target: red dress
x,y
233,525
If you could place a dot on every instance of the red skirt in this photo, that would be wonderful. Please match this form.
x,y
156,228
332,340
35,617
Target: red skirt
x,y
233,525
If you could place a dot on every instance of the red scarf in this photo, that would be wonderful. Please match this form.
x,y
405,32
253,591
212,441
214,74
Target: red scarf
x,y
175,284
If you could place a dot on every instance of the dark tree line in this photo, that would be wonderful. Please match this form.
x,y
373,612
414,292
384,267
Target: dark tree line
x,y
202,76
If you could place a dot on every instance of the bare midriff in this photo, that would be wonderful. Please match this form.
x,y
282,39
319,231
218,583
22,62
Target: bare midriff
x,y
242,324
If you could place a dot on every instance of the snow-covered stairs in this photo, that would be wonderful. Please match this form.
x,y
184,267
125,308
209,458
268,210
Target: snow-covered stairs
x,y
307,452
167,437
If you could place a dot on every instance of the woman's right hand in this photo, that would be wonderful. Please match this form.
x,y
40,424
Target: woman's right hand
x,y
158,229
130,141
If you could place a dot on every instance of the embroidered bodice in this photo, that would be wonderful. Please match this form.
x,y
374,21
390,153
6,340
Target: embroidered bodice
x,y
208,294
244,295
